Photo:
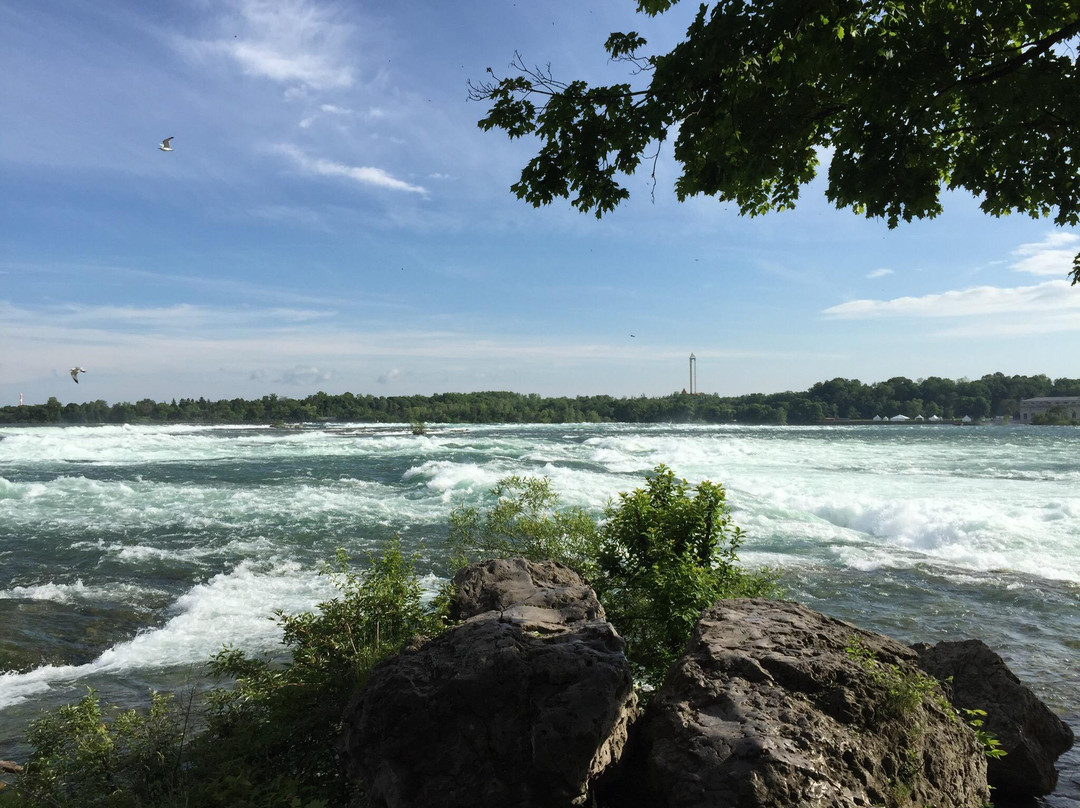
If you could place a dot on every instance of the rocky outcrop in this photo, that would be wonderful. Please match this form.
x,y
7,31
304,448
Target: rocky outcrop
x,y
774,705
522,705
529,702
1032,736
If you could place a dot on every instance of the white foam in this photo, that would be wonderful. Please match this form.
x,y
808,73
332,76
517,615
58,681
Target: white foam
x,y
445,477
78,591
234,607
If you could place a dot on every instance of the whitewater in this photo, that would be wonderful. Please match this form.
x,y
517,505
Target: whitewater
x,y
130,554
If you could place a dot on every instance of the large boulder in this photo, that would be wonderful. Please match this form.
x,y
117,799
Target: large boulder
x,y
1031,735
774,705
522,705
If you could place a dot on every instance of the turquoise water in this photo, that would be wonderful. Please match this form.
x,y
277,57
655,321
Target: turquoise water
x,y
129,554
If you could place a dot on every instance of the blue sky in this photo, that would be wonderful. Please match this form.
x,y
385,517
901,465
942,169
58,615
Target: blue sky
x,y
331,218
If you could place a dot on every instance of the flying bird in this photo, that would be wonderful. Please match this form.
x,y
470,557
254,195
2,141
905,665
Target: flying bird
x,y
75,373
165,145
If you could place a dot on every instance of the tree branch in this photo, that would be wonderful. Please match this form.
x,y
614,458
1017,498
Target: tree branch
x,y
1037,49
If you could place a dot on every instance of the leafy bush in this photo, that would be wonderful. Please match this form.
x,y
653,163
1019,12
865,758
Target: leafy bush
x,y
525,521
89,755
665,557
659,558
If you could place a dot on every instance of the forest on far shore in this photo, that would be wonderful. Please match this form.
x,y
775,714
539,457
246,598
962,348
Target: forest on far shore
x,y
837,399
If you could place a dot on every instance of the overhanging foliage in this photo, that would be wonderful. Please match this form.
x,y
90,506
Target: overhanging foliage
x,y
904,98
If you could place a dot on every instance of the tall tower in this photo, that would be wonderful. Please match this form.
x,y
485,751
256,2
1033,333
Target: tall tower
x,y
693,375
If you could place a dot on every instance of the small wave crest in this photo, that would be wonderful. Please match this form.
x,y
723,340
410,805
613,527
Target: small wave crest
x,y
977,536
236,606
77,591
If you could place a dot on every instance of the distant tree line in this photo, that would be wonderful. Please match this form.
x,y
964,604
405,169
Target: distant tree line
x,y
842,399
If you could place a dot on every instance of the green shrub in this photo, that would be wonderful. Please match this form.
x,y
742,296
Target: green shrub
x,y
87,754
525,521
660,557
665,557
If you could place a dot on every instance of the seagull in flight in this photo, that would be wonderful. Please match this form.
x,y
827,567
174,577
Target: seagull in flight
x,y
75,373
165,145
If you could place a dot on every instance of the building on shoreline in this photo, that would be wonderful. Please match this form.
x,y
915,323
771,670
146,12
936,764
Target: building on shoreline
x,y
1031,407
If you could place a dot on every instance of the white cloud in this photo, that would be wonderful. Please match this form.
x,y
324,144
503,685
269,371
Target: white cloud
x,y
879,273
334,109
1043,298
304,376
293,42
365,175
1051,256
389,376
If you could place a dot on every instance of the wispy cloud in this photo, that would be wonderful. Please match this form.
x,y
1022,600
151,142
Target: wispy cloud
x,y
328,109
389,376
879,273
290,334
293,42
1043,298
304,376
365,175
1051,256
66,322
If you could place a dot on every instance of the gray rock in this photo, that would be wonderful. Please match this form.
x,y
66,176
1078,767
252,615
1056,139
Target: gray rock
x,y
769,708
1032,736
522,705
533,592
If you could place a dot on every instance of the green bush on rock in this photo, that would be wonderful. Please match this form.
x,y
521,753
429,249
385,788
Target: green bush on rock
x,y
525,521
666,555
660,556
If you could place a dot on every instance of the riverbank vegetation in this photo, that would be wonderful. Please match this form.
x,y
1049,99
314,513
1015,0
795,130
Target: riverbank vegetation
x,y
269,735
846,399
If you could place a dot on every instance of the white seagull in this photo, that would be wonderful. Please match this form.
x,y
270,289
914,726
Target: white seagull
x,y
165,145
75,373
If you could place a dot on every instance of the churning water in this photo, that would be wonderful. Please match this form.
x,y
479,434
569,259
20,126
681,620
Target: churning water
x,y
129,554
